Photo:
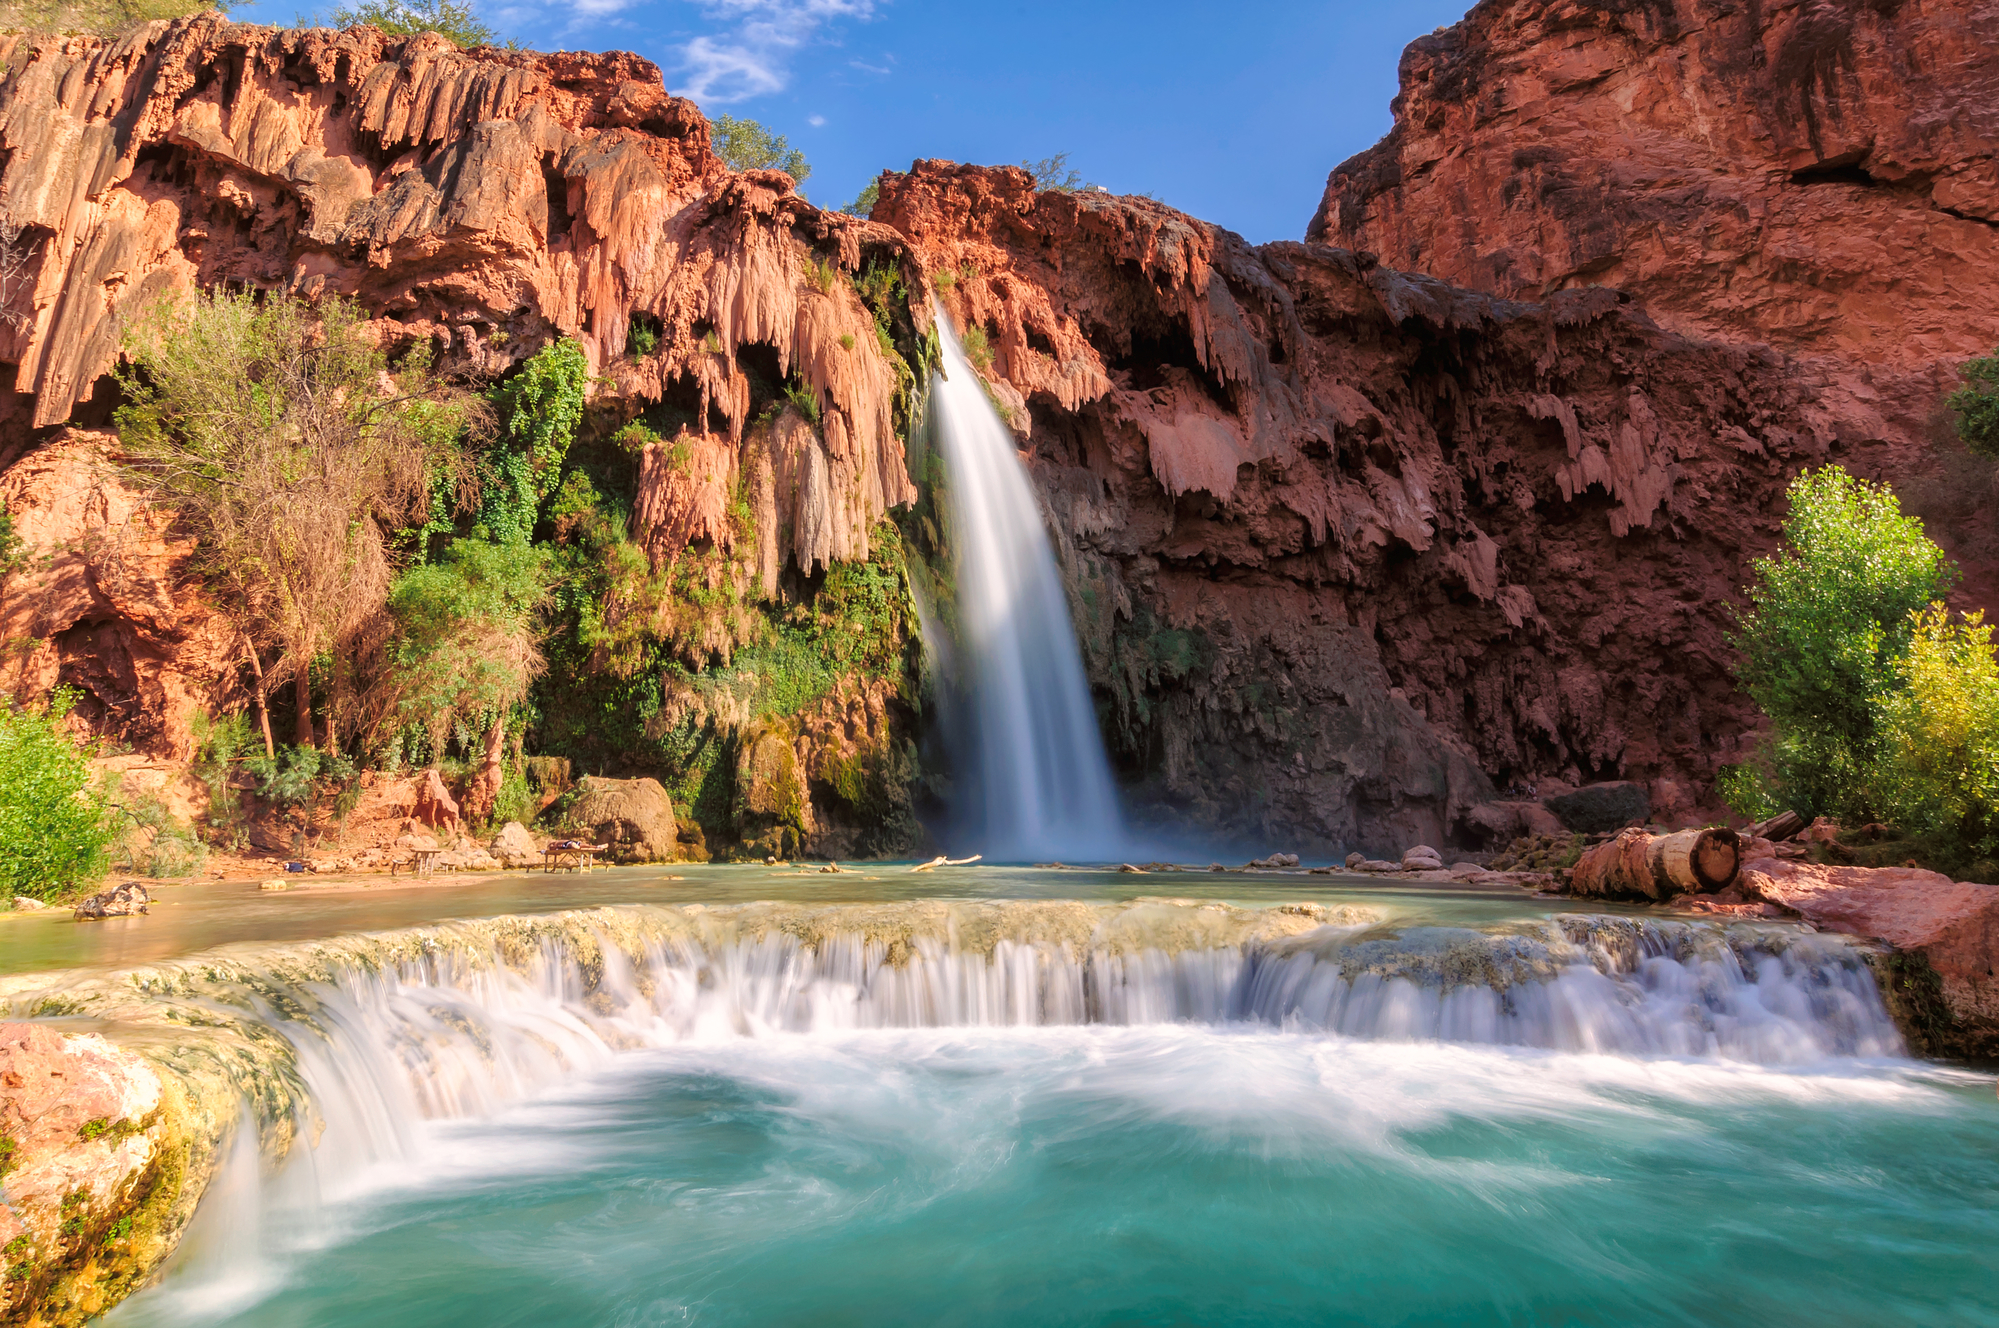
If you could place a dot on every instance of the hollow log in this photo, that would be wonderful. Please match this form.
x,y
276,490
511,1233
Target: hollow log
x,y
1779,827
1637,865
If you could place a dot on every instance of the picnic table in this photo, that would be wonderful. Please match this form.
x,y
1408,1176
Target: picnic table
x,y
570,855
426,860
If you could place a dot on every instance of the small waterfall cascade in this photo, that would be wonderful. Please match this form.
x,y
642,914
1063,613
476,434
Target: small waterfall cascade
x,y
1041,783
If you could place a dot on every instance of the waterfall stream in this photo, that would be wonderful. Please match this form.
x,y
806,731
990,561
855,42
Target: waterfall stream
x,y
1041,783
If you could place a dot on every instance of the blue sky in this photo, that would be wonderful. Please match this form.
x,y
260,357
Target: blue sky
x,y
1234,112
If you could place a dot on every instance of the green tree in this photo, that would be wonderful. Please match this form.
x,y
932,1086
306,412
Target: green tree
x,y
466,645
1829,617
1939,772
748,146
539,409
281,442
1976,405
455,22
864,202
53,822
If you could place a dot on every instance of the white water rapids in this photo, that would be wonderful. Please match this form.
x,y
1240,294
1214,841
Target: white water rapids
x,y
1042,785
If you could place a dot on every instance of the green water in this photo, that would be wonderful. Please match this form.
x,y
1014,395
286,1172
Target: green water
x,y
1162,1175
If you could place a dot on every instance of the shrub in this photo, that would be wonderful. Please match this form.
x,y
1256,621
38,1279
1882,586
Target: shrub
x,y
643,339
977,348
219,743
1976,405
466,635
298,778
455,22
13,549
1939,770
1828,618
149,839
52,821
539,408
1746,791
747,146
864,202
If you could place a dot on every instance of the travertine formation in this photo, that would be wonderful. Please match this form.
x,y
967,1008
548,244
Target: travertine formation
x,y
1817,175
1342,537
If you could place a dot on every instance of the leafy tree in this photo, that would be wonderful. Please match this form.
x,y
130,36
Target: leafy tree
x,y
1054,173
280,442
1977,405
540,408
748,146
457,23
53,823
1829,617
466,640
1940,749
864,202
297,779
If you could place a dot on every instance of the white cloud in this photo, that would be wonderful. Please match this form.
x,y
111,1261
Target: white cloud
x,y
816,121
754,57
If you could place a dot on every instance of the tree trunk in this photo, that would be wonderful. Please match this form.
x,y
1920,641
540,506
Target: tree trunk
x,y
302,688
1636,865
263,702
485,791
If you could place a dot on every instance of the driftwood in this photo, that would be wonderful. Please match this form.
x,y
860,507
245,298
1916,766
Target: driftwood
x,y
1637,865
1779,827
941,861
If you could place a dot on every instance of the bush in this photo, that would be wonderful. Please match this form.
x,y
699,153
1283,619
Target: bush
x,y
218,745
52,821
456,23
1829,617
465,634
1747,792
1939,769
150,840
747,146
1976,405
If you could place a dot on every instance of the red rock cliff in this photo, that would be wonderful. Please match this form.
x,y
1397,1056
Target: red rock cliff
x,y
1817,175
1333,527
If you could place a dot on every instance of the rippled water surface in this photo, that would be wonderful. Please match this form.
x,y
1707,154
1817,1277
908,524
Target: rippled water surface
x,y
1168,1174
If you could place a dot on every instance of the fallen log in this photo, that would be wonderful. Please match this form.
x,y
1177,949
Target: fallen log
x,y
1637,865
1778,828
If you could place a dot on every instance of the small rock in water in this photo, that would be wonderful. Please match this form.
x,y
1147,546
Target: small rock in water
x,y
1127,867
1422,858
1274,862
275,885
1216,866
23,904
117,902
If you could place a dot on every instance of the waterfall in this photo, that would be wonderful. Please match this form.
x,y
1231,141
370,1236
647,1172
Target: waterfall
x,y
1041,786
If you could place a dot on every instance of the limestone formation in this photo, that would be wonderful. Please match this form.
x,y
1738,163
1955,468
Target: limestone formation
x,y
120,901
515,847
633,816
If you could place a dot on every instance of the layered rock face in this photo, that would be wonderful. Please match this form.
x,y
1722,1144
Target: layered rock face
x,y
486,202
1818,175
1342,537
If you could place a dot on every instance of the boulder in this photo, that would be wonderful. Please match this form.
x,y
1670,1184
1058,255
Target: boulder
x,y
633,816
773,809
24,904
1356,859
1597,809
1379,865
1503,822
514,846
1275,862
1422,858
1940,985
409,843
117,902
1824,830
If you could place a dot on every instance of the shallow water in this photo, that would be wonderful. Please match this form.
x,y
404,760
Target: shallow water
x,y
190,918
1443,1106
1163,1174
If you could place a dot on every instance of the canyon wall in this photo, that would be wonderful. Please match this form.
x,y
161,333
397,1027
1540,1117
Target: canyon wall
x,y
1341,538
1347,546
1817,175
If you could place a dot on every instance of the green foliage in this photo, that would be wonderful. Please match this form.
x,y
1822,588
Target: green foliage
x,y
1828,618
1976,405
53,823
150,840
466,630
804,399
219,743
458,23
823,273
539,409
977,348
1747,791
748,146
297,777
13,549
1939,769
98,16
643,339
1054,173
864,202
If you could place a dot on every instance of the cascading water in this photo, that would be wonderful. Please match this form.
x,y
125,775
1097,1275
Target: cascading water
x,y
1042,785
926,1112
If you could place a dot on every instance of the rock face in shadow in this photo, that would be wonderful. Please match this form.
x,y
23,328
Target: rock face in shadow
x,y
1822,177
1341,537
